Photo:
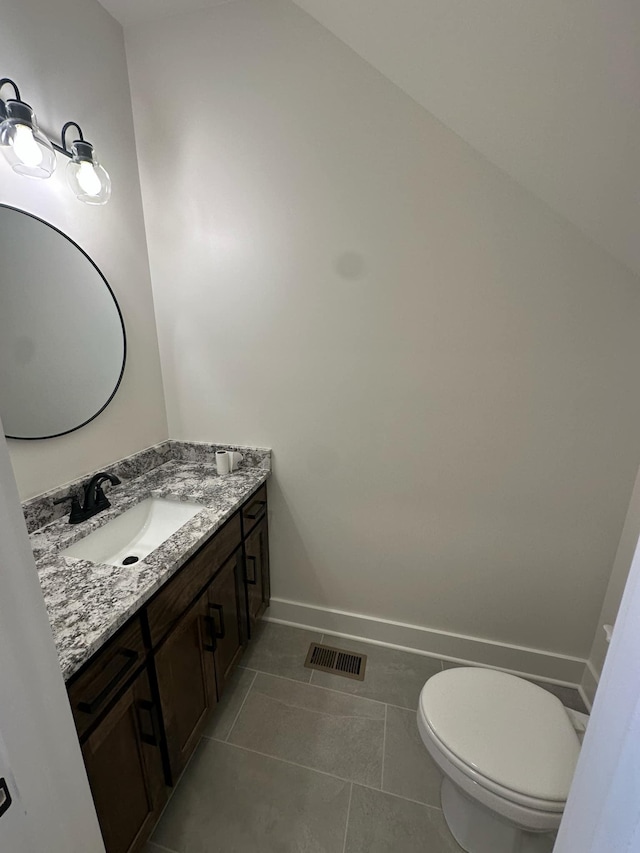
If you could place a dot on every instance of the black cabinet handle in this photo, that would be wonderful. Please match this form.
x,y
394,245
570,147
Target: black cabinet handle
x,y
210,622
252,513
219,635
254,580
154,738
92,705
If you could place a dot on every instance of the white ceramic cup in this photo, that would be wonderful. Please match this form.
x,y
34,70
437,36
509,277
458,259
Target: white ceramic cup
x,y
222,462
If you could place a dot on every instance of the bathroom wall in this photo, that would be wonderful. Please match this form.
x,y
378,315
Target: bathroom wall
x,y
67,57
615,590
445,368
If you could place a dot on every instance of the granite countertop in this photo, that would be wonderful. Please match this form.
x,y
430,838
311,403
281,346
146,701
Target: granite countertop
x,y
87,602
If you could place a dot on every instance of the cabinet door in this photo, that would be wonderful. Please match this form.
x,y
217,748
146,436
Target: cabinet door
x,y
185,586
257,571
124,767
225,615
186,682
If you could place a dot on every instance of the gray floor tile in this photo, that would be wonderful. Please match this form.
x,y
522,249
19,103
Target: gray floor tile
x,y
155,848
280,650
409,770
317,728
234,801
224,716
391,675
569,696
381,823
548,844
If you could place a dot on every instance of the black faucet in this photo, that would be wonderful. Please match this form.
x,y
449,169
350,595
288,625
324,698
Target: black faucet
x,y
94,500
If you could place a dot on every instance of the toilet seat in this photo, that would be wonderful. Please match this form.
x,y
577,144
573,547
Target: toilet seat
x,y
509,736
550,807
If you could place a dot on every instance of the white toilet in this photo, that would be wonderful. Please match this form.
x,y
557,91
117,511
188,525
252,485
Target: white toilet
x,y
508,751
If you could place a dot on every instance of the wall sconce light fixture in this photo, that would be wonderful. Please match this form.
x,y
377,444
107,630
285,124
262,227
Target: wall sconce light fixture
x,y
29,152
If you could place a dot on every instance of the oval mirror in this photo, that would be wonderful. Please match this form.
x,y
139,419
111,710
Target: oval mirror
x,y
62,337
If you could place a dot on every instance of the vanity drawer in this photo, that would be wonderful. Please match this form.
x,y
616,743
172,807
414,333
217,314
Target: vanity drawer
x,y
105,675
254,509
179,593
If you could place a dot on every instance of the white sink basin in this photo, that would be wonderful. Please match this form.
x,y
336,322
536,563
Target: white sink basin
x,y
135,533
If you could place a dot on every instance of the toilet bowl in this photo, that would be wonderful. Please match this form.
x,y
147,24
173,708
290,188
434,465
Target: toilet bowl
x,y
507,749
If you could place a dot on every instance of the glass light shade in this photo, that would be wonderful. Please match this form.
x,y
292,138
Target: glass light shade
x,y
25,148
87,178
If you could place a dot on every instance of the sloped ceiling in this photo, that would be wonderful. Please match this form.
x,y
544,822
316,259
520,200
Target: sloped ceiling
x,y
548,90
131,12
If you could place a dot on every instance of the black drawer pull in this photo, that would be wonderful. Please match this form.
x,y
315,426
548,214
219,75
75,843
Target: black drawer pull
x,y
150,707
254,580
211,646
92,705
252,513
219,635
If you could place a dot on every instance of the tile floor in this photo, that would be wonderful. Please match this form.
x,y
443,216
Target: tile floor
x,y
299,761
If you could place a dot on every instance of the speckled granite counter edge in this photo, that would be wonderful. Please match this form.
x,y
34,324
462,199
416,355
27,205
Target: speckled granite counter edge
x,y
88,602
41,509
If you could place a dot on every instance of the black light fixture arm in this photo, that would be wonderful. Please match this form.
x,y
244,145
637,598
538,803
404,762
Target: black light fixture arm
x,y
32,152
63,148
7,81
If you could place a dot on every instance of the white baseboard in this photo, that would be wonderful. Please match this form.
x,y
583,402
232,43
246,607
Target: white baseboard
x,y
540,664
589,684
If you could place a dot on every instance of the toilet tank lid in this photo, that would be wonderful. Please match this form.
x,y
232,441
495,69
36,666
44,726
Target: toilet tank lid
x,y
507,729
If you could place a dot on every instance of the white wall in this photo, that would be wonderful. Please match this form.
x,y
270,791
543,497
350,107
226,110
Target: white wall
x,y
445,368
68,59
547,91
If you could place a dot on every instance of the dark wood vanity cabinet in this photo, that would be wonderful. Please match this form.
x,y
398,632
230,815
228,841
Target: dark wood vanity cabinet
x,y
124,767
227,618
256,547
195,657
141,703
186,683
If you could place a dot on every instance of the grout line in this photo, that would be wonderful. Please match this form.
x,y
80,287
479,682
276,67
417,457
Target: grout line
x,y
400,707
214,739
332,690
295,764
233,725
352,782
384,744
399,797
335,690
346,827
162,848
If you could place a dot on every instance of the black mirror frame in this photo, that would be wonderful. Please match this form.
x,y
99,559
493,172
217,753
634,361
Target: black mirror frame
x,y
124,332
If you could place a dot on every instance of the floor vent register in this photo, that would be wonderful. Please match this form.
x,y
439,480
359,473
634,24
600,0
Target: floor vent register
x,y
336,661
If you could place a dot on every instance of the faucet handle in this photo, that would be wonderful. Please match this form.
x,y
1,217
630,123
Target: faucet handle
x,y
76,510
101,500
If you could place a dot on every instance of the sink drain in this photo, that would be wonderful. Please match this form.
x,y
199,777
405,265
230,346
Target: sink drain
x,y
128,561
